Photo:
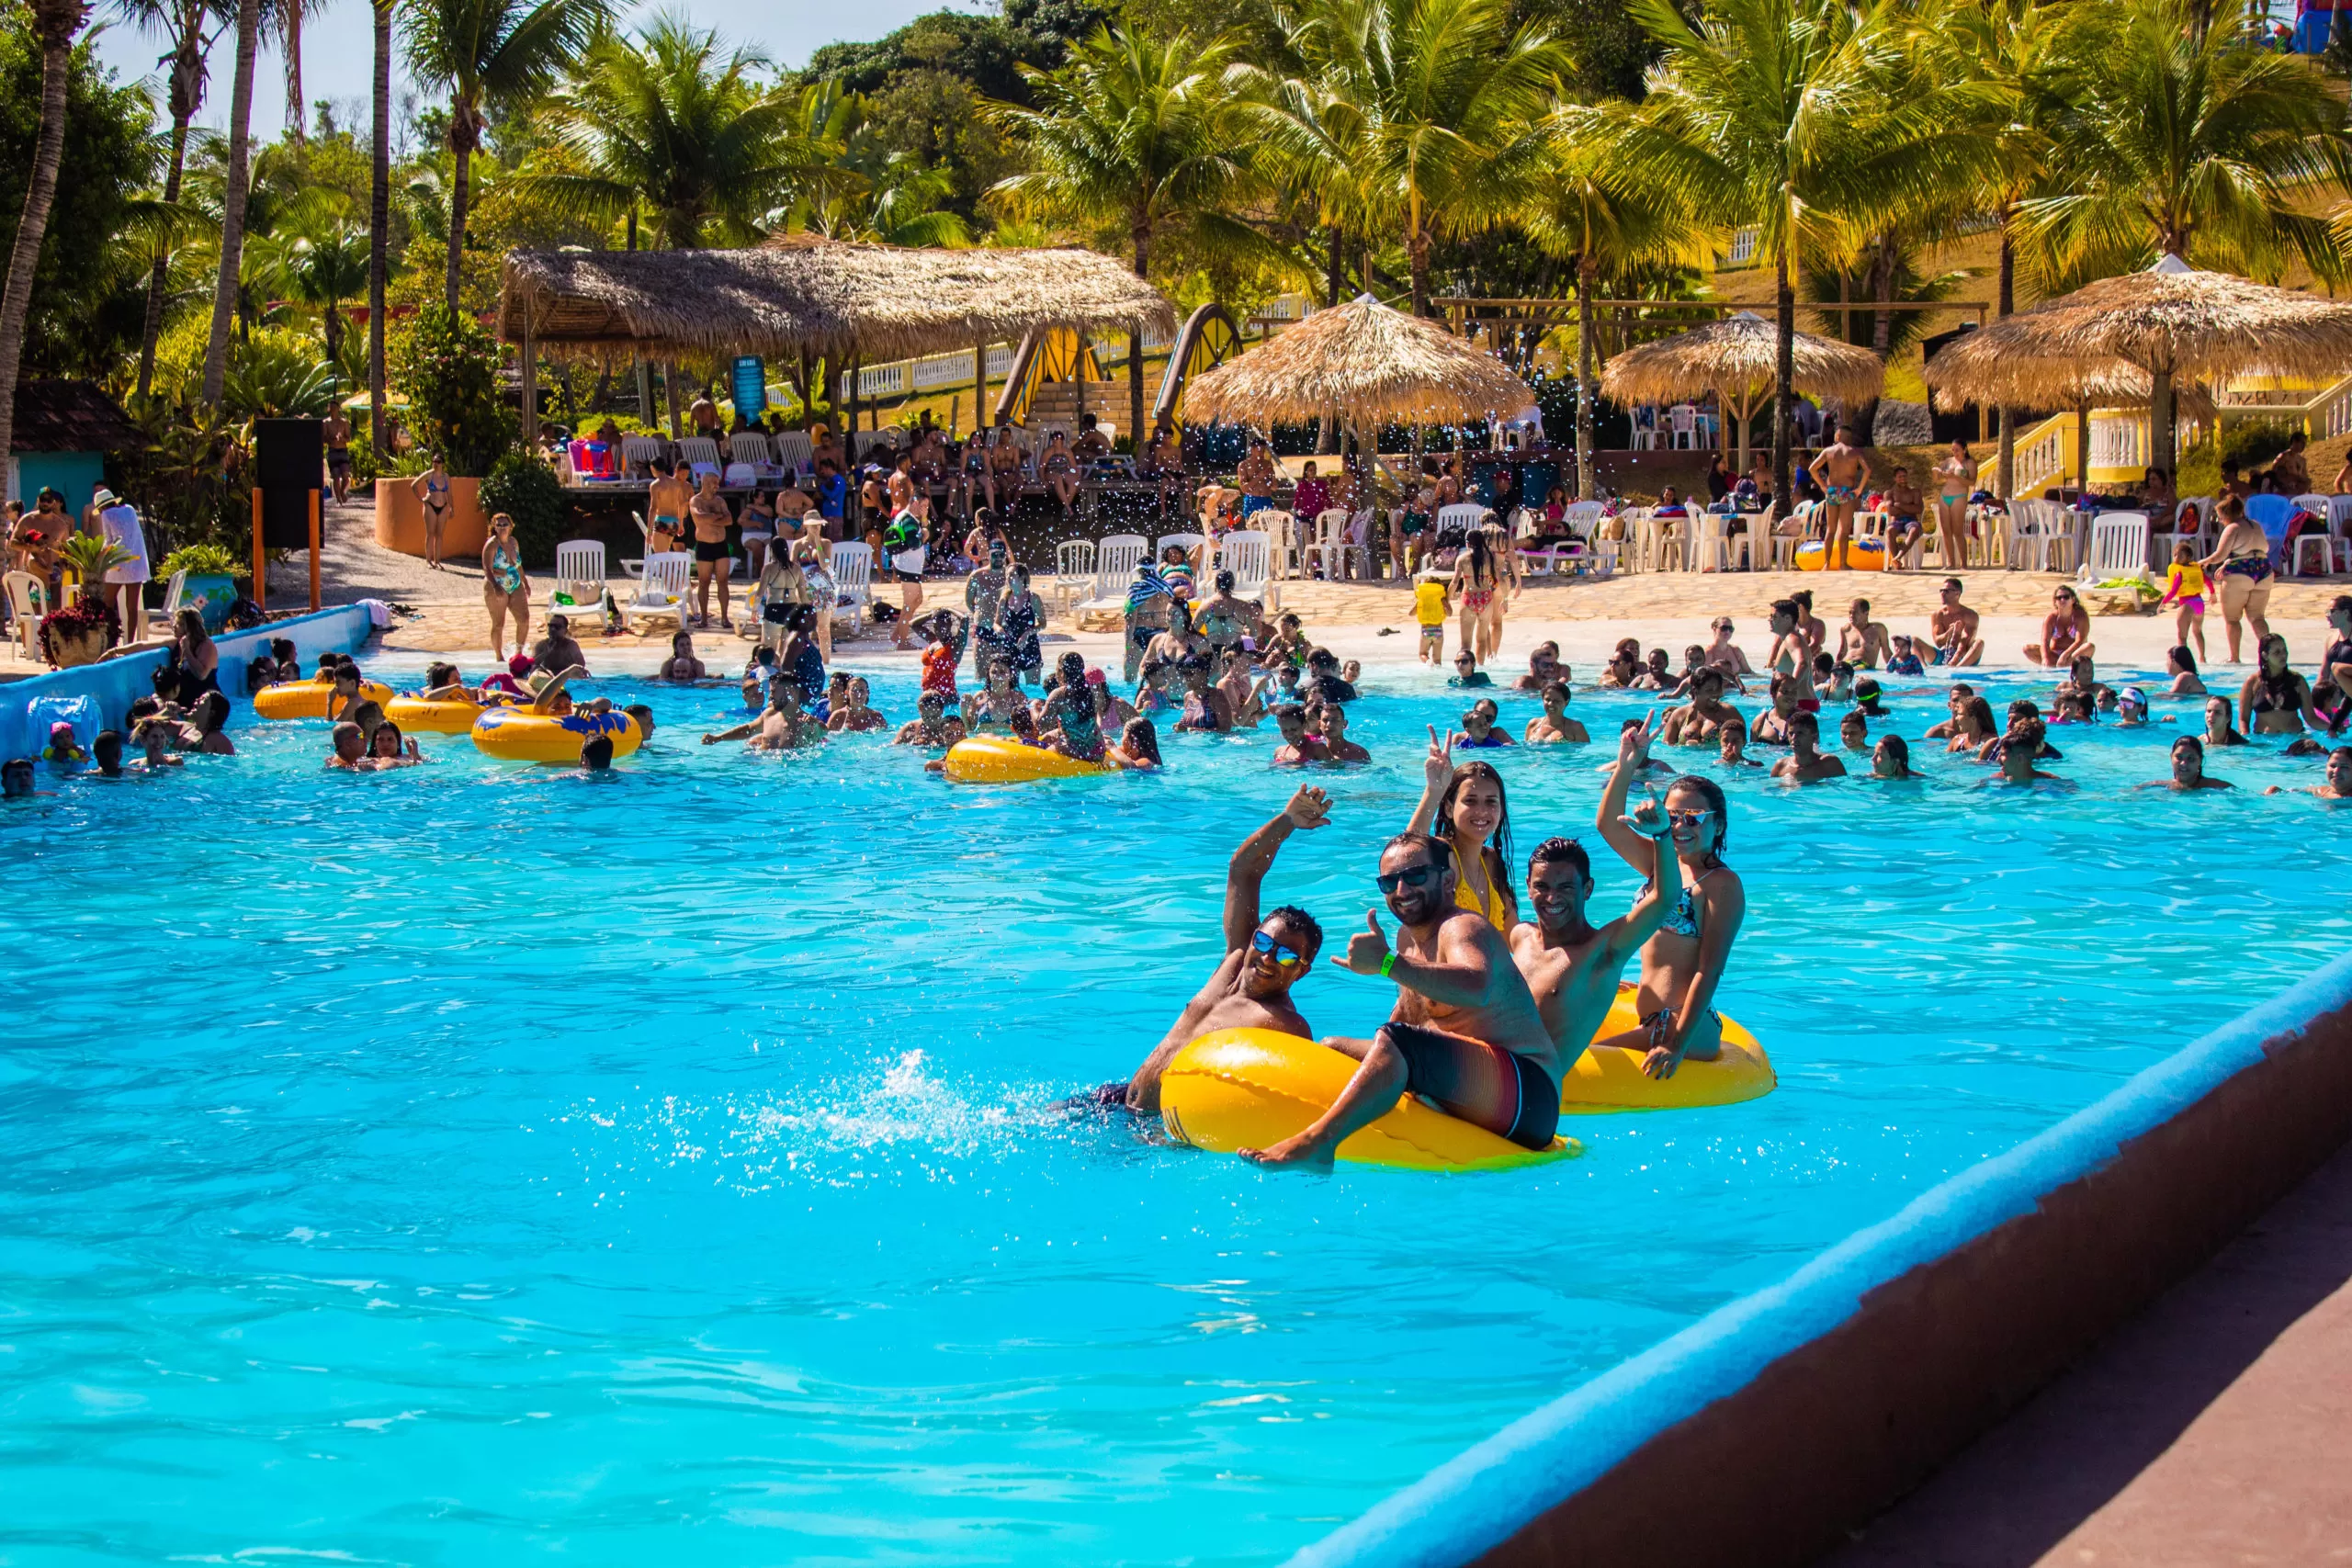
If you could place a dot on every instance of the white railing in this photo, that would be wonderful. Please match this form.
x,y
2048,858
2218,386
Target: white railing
x,y
1742,250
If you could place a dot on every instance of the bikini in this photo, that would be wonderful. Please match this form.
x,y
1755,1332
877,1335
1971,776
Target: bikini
x,y
1495,908
1682,920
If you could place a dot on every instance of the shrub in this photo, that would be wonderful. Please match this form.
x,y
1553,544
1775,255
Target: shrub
x,y
450,368
205,560
527,490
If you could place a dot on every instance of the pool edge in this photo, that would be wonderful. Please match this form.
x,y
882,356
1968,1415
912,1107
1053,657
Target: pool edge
x,y
1763,1433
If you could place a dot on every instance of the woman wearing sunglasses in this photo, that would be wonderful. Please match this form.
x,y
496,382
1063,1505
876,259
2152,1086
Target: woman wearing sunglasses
x,y
1263,959
1682,965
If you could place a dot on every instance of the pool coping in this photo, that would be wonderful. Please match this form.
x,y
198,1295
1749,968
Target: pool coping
x,y
1766,1431
114,684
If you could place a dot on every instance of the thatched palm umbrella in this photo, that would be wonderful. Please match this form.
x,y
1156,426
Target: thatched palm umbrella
x,y
2176,323
1735,359
1973,368
1364,365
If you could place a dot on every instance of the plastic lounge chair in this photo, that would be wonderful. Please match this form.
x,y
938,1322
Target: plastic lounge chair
x,y
2118,547
1194,544
749,447
662,593
1247,554
579,571
1116,560
852,569
641,451
1074,571
792,451
701,451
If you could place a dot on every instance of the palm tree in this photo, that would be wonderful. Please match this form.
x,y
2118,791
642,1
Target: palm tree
x,y
324,265
1142,133
1423,115
488,53
54,24
676,125
232,205
182,23
1605,218
1794,113
380,220
283,24
2172,140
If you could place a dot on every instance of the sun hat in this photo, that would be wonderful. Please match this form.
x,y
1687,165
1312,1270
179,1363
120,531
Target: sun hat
x,y
104,497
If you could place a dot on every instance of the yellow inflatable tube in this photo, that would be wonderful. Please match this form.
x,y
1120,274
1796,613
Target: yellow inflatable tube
x,y
447,716
1610,1078
519,735
993,759
309,699
1238,1088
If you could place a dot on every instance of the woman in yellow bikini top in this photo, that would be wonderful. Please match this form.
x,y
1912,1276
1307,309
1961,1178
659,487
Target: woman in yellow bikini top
x,y
1465,807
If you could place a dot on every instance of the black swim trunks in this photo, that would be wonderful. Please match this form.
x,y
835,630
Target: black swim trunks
x,y
1481,1083
710,549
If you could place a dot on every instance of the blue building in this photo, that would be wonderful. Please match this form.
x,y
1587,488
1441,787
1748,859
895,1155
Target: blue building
x,y
63,432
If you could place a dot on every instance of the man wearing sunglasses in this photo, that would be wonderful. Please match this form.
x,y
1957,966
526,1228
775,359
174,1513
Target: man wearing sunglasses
x,y
1465,1033
1264,958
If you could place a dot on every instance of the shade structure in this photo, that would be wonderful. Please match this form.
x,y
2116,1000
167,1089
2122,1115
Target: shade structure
x,y
800,294
1364,364
2173,323
1975,369
1737,359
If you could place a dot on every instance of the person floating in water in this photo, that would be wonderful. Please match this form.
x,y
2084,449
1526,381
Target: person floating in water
x,y
1465,1033
1264,957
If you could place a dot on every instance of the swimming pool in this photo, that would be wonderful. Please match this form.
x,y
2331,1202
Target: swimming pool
x,y
478,1162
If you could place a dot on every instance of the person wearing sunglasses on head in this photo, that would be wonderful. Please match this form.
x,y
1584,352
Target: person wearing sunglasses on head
x,y
1683,962
1465,1033
1264,958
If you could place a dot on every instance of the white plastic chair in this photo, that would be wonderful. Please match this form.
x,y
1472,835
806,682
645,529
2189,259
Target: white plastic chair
x,y
2119,546
1074,571
27,603
2318,507
1116,560
2339,513
700,451
749,447
1581,516
852,567
1462,514
175,598
1192,543
793,450
1246,553
640,451
662,592
1682,420
1281,530
1323,550
580,571
740,476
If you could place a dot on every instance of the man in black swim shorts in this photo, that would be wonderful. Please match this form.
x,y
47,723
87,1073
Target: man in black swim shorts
x,y
1465,1033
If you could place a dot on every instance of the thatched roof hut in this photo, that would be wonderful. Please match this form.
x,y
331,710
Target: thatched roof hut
x,y
1366,366
797,294
2176,323
1736,359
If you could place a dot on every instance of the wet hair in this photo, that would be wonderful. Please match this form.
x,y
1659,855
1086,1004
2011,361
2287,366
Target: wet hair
x,y
1300,921
213,711
2195,743
644,716
1285,712
1856,716
1559,686
261,671
1434,849
106,750
2028,733
1071,666
597,755
1803,720
1712,794
1824,664
1786,607
1223,581
2024,708
2180,654
1443,826
1980,714
1024,724
1897,748
387,727
1551,851
16,774
1139,736
440,675
143,707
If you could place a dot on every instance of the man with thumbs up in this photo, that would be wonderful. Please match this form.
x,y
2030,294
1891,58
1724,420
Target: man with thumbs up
x,y
1465,1033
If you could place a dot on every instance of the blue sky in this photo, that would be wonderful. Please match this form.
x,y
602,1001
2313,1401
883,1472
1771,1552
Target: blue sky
x,y
337,48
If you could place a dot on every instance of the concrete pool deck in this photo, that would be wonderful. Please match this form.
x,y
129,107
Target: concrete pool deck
x,y
2216,1428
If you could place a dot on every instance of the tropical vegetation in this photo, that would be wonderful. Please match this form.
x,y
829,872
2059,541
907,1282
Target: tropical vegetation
x,y
1418,150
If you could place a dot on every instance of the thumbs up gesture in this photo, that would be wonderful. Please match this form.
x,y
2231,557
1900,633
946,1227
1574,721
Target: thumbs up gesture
x,y
1368,946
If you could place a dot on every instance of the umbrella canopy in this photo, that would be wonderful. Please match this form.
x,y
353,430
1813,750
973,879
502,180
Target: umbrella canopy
x,y
2174,322
1736,359
1364,364
1974,369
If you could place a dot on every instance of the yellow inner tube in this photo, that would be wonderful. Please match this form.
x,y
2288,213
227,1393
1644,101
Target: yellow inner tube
x,y
1236,1088
309,699
993,759
451,715
1610,1078
519,735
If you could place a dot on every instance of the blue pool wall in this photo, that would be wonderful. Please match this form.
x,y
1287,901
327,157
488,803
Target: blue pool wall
x,y
1766,1431
112,685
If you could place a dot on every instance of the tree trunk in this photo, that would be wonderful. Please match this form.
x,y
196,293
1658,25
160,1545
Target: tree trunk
x,y
2160,432
1134,353
1881,327
58,24
2005,470
461,140
153,330
295,113
1327,430
1417,247
379,221
1583,378
232,214
1784,328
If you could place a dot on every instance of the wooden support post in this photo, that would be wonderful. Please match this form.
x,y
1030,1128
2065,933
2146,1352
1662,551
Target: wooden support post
x,y
261,559
529,366
981,386
314,495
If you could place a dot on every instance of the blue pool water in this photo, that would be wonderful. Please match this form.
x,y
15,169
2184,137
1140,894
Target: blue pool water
x,y
480,1163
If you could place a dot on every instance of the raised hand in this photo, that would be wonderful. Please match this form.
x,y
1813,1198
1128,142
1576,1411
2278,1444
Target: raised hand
x,y
1367,947
1438,771
1649,817
1309,809
1633,743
